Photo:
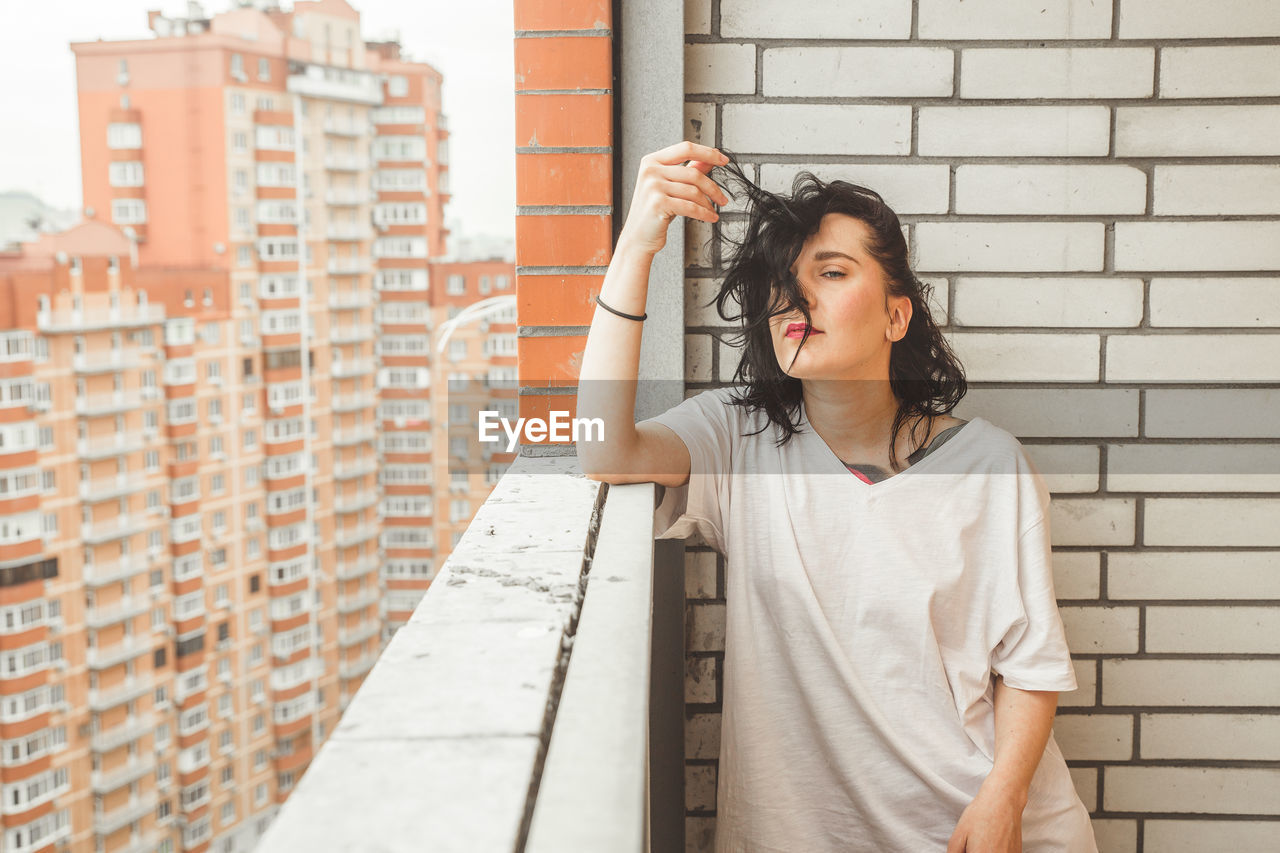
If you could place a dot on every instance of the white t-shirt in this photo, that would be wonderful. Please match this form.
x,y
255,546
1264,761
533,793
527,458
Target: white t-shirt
x,y
864,625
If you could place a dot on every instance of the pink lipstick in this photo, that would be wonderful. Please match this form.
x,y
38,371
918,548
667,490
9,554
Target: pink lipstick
x,y
796,330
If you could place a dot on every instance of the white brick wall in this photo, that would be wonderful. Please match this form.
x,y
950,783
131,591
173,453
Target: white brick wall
x,y
1050,190
1093,189
840,72
1174,19
1060,72
1208,190
805,19
998,19
1204,131
817,129
1220,72
1009,246
1016,131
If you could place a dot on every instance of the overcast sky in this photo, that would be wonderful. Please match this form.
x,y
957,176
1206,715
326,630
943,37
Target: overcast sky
x,y
470,41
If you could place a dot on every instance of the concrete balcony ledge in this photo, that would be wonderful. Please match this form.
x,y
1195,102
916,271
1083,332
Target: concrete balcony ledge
x,y
105,699
129,730
106,361
349,402
105,782
109,445
81,321
513,710
105,823
106,404
352,367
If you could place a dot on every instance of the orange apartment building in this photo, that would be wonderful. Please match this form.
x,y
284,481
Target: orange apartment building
x,y
478,368
219,445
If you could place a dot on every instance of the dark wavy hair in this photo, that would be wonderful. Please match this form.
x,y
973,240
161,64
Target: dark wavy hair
x,y
924,373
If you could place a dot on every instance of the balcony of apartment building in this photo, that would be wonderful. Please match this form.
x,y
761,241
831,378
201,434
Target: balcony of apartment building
x,y
348,196
351,367
106,360
345,127
358,601
534,700
118,317
334,84
351,402
356,468
357,667
354,435
102,447
106,781
348,231
348,536
108,530
100,616
346,570
106,698
126,649
343,299
130,730
346,163
350,334
108,404
140,844
349,266
139,806
106,488
114,571
355,636
355,502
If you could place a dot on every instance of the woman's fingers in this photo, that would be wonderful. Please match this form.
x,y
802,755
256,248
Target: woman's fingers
x,y
691,209
692,175
673,182
688,193
683,151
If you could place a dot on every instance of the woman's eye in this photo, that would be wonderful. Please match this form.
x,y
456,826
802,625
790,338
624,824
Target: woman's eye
x,y
836,273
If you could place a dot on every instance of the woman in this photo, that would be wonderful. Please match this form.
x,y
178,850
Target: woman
x,y
893,650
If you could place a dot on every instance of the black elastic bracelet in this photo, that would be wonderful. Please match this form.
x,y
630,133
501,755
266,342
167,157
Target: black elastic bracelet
x,y
619,313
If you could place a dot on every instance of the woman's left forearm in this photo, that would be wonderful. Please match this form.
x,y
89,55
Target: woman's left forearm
x,y
1023,721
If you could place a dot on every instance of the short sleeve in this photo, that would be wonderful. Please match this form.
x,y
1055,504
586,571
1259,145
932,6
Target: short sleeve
x,y
1033,653
703,424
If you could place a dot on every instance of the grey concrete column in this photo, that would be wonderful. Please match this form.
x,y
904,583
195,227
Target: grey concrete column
x,y
649,39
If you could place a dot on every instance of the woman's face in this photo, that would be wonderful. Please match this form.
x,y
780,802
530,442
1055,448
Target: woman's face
x,y
852,330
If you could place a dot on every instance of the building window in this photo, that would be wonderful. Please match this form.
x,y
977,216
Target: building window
x,y
124,135
398,86
237,103
237,67
128,211
456,285
264,69
125,174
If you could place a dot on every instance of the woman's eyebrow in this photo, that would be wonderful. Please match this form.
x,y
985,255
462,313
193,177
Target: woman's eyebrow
x,y
828,255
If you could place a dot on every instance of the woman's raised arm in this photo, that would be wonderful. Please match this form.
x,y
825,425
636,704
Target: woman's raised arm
x,y
671,182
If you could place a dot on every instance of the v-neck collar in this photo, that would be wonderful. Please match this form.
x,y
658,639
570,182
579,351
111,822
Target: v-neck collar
x,y
839,468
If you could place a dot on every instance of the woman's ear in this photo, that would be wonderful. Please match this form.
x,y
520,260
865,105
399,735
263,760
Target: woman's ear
x,y
899,318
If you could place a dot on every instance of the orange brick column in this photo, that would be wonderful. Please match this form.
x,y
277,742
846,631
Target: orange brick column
x,y
564,190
